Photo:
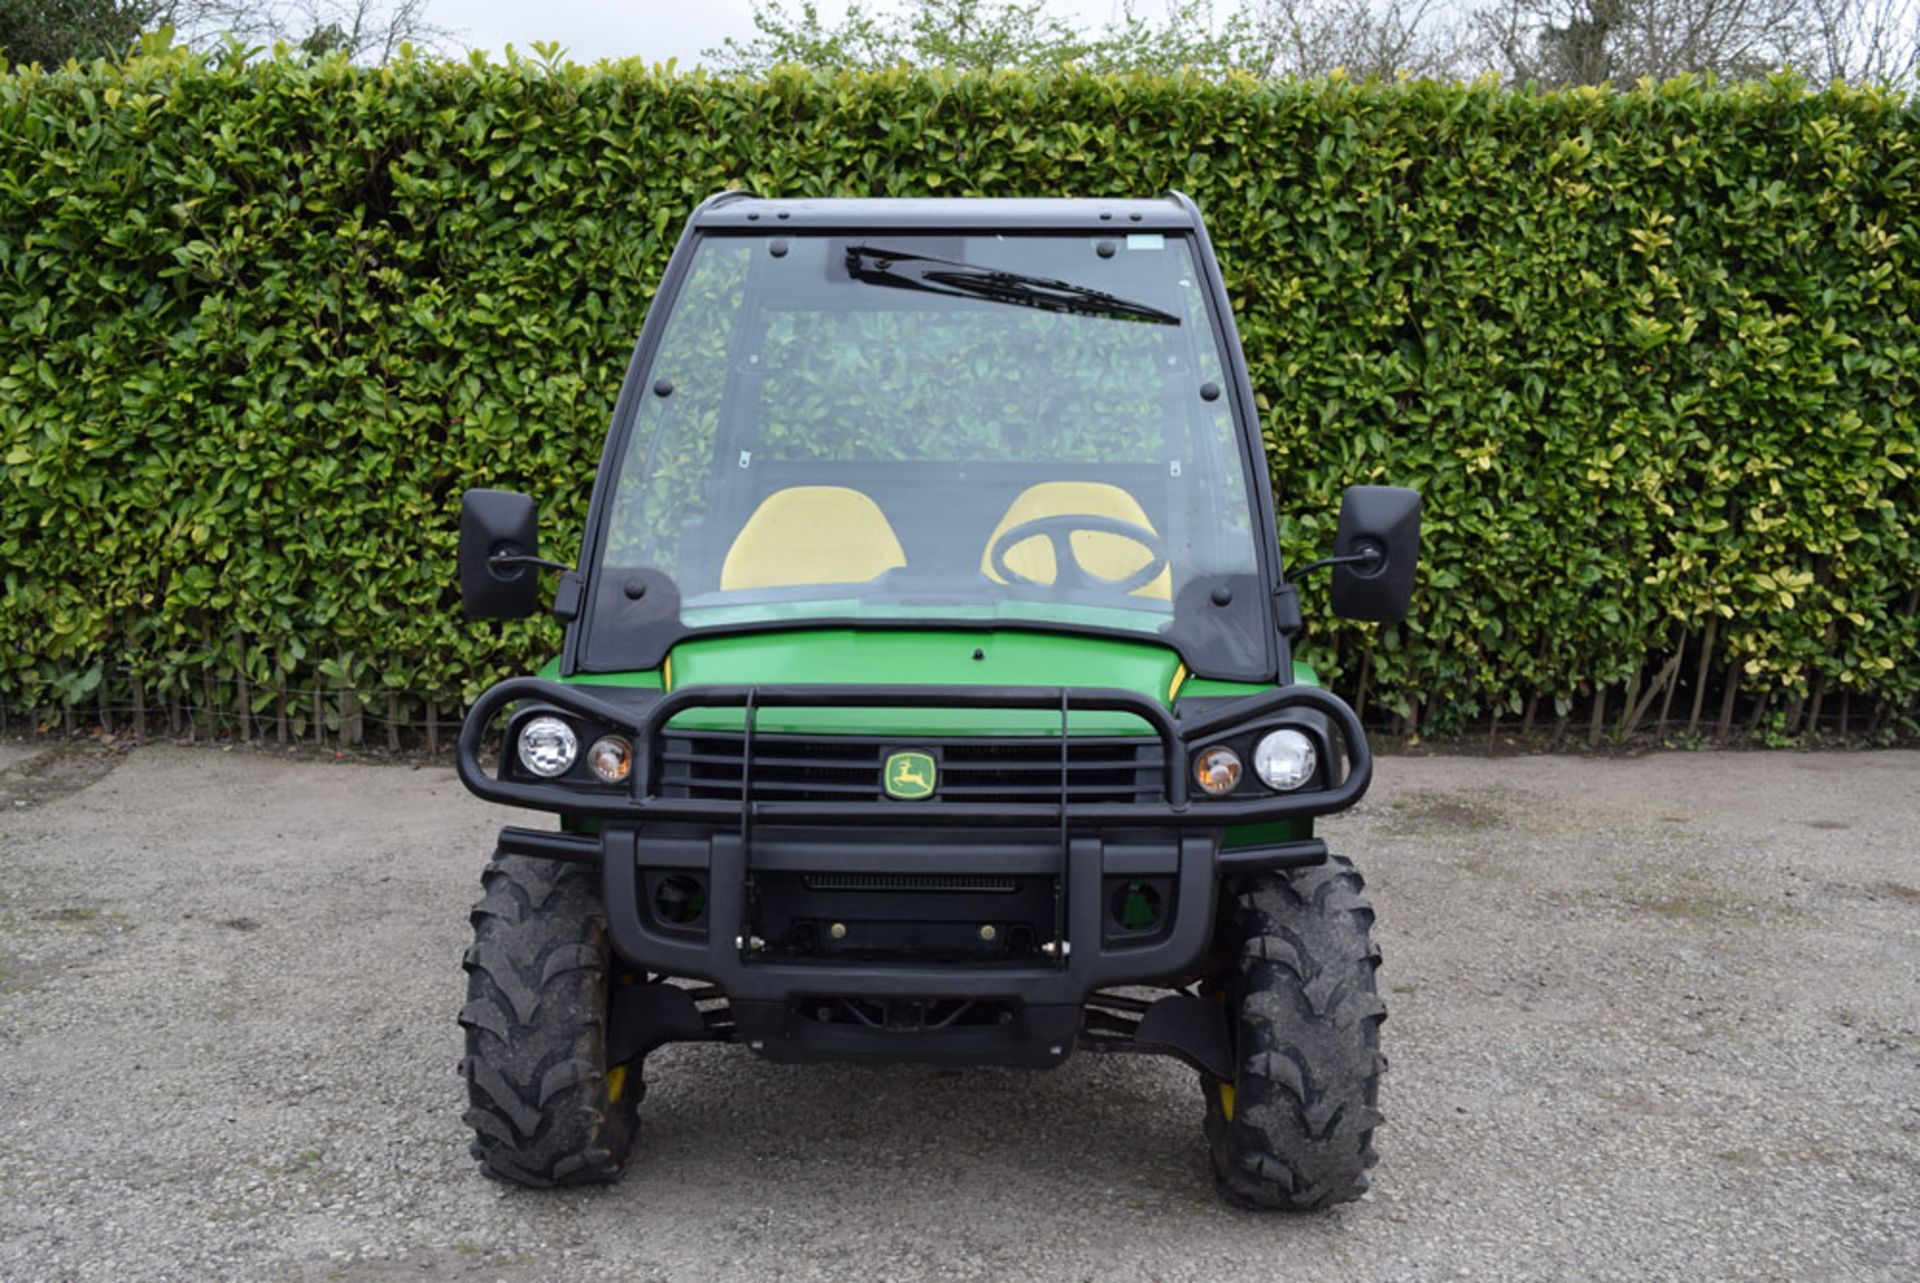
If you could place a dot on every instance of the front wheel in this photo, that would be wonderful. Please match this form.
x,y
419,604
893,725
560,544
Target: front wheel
x,y
545,1107
1294,1129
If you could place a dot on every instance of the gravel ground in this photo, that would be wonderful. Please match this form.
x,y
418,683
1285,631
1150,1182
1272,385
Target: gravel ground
x,y
1650,1018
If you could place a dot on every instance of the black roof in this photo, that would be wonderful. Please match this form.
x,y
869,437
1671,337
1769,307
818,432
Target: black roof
x,y
737,210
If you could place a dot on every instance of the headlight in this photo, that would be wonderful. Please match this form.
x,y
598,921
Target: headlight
x,y
610,758
1216,769
1285,760
548,746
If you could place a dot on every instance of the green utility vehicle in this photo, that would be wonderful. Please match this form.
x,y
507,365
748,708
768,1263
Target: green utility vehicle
x,y
927,695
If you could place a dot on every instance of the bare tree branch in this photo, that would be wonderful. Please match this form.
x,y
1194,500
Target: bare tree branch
x,y
1584,42
1383,38
1548,42
1866,40
365,30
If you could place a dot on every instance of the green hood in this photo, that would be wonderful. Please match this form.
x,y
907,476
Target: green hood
x,y
888,658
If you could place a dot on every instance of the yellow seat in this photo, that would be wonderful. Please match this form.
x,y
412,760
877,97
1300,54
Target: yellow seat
x,y
811,535
1099,553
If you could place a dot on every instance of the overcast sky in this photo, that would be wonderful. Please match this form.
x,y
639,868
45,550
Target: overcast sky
x,y
652,29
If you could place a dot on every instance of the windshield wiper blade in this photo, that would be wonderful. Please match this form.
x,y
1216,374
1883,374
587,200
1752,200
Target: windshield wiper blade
x,y
877,266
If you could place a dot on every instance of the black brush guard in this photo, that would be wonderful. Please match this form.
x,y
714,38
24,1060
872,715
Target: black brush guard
x,y
1079,844
639,803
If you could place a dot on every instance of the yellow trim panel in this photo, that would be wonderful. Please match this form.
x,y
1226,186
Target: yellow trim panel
x,y
812,535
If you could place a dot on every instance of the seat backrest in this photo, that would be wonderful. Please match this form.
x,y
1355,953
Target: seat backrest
x,y
811,535
1109,556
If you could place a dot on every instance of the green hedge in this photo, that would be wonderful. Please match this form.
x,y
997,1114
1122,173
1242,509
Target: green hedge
x,y
1650,356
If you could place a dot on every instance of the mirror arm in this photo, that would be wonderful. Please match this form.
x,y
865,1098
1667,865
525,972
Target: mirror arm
x,y
503,559
1368,556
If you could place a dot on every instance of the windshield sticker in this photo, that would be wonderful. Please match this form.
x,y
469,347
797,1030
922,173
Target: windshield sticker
x,y
1145,240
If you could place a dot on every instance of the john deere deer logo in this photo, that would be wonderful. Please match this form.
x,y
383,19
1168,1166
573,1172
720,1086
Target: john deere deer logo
x,y
909,776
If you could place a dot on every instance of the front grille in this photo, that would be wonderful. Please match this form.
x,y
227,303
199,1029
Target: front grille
x,y
847,768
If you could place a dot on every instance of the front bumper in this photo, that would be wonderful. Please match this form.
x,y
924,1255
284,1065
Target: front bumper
x,y
794,1008
1070,856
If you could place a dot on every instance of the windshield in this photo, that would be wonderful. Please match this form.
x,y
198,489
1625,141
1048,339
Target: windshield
x,y
1021,428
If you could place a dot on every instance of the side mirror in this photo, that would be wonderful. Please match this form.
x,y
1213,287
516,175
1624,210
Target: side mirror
x,y
493,522
1384,522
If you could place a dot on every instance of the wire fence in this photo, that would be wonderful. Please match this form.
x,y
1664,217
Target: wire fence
x,y
208,707
1694,703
